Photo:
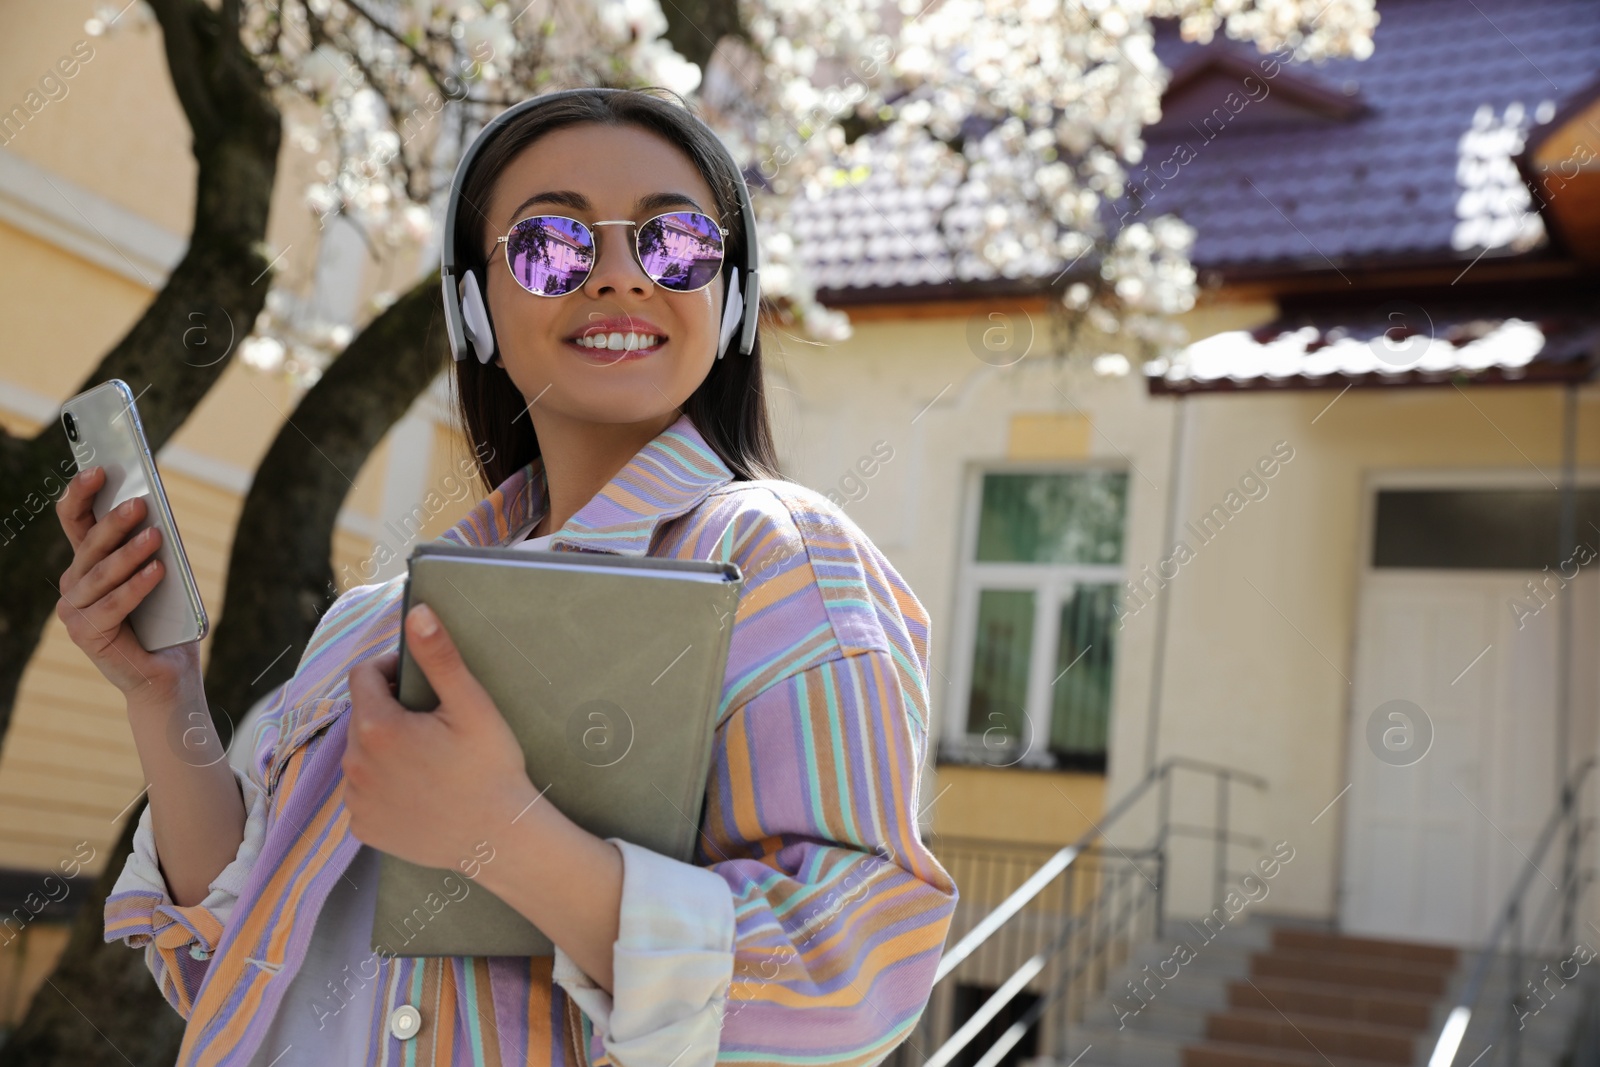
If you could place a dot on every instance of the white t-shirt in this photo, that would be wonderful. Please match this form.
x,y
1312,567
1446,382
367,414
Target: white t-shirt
x,y
324,1011
536,542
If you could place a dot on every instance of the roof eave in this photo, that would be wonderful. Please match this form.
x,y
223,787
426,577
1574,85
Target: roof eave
x,y
1536,373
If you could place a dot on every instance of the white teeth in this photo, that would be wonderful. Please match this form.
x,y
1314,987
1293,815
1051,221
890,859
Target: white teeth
x,y
618,341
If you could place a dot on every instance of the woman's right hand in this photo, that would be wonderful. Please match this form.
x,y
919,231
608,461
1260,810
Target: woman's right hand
x,y
106,581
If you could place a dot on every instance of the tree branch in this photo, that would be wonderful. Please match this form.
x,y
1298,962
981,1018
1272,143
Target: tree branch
x,y
423,61
695,26
181,31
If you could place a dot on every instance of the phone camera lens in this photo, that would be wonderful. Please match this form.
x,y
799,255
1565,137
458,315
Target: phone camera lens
x,y
72,427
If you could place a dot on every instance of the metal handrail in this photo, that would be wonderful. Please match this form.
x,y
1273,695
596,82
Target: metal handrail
x,y
1455,1024
1055,865
1519,926
1013,985
1064,857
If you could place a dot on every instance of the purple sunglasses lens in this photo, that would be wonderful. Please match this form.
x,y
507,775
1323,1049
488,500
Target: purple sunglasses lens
x,y
550,255
681,250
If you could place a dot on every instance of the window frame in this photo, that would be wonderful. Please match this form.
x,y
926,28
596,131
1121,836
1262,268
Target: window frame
x,y
1051,583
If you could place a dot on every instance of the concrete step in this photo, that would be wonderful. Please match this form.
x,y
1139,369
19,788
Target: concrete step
x,y
1126,1048
1175,1004
1303,1033
1345,970
1263,992
1333,1003
1200,954
1547,1032
1268,994
1174,1017
1544,1042
1251,931
1326,943
1226,1054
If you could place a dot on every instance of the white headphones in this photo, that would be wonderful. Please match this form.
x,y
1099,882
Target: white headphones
x,y
467,316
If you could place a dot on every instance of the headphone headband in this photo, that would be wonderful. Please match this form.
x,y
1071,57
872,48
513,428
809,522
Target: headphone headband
x,y
458,326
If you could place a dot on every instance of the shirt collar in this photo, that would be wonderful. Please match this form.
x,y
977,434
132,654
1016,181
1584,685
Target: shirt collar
x,y
666,478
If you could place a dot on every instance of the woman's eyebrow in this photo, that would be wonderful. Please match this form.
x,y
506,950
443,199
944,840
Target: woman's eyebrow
x,y
578,202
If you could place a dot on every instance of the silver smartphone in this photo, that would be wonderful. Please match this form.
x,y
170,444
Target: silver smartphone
x,y
103,428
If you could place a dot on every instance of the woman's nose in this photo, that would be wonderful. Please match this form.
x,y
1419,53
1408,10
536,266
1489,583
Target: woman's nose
x,y
616,266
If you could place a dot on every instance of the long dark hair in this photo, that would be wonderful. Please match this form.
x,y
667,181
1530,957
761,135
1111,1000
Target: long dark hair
x,y
729,408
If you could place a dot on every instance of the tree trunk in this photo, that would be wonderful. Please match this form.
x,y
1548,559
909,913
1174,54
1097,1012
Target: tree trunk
x,y
219,285
278,572
100,1008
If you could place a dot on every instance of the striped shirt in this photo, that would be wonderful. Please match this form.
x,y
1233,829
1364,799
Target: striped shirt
x,y
809,925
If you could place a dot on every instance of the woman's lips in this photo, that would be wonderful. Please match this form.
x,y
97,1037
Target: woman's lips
x,y
607,356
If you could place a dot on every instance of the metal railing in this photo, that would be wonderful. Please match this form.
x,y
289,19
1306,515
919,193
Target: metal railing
x,y
1066,927
1510,924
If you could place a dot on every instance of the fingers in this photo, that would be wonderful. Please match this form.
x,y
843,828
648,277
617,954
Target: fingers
x,y
112,571
96,626
103,538
441,662
387,664
372,704
75,507
375,727
111,531
369,688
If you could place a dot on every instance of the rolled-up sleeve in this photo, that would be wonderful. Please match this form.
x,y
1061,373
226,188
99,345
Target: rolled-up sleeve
x,y
178,940
672,962
823,943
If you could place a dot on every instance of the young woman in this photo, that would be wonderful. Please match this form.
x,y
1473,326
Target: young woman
x,y
810,924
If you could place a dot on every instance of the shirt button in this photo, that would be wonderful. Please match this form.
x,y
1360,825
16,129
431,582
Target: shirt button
x,y
198,952
404,1022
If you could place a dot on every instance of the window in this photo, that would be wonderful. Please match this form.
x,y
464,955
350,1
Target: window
x,y
1038,602
1480,529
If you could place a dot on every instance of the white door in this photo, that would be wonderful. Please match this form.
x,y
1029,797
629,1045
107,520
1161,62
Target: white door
x,y
1435,834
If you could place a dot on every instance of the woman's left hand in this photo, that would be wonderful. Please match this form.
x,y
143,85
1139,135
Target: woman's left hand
x,y
430,787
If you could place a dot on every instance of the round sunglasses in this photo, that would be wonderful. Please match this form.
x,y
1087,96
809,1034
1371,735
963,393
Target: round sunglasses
x,y
552,255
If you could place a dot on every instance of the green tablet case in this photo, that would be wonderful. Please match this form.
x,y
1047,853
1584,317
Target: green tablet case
x,y
609,670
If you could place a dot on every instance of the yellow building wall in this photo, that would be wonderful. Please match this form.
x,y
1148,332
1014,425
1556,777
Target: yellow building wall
x,y
1258,677
119,129
46,348
1241,686
1024,807
918,384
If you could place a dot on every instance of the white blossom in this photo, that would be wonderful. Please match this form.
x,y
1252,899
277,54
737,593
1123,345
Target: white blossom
x,y
1028,113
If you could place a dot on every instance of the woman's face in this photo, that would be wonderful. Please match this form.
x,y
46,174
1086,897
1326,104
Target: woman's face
x,y
591,172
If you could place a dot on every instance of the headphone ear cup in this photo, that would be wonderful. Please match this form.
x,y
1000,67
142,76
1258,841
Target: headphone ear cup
x,y
475,317
732,312
752,300
455,330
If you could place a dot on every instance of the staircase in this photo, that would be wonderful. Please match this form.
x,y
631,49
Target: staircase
x,y
1067,958
1279,993
1313,994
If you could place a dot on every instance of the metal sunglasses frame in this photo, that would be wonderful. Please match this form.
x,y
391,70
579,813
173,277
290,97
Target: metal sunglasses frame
x,y
637,258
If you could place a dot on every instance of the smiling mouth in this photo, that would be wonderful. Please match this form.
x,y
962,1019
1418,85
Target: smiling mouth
x,y
616,345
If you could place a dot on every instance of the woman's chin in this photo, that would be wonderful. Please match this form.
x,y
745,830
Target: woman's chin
x,y
640,400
